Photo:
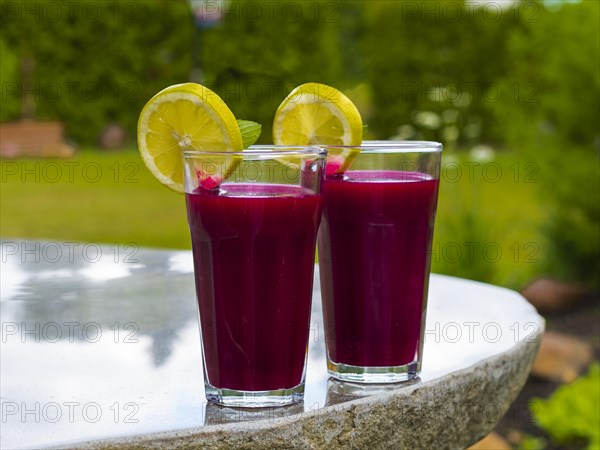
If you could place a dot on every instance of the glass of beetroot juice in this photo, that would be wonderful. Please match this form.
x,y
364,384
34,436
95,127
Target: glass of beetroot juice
x,y
253,219
374,259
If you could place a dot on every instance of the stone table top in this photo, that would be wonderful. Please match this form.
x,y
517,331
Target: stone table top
x,y
101,348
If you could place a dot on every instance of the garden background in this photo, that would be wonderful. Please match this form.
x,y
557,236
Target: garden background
x,y
512,89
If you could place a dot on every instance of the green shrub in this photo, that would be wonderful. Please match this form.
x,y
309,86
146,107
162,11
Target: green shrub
x,y
529,442
97,62
264,49
440,58
9,75
553,75
572,411
555,123
571,181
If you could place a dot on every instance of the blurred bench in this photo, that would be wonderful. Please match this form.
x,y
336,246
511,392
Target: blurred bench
x,y
35,139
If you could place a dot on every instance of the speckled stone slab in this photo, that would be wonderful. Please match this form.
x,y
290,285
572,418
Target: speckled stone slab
x,y
105,353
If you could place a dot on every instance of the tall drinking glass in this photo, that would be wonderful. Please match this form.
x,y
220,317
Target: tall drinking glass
x,y
374,259
253,243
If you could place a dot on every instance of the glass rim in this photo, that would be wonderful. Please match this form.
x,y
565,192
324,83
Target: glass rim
x,y
265,150
381,146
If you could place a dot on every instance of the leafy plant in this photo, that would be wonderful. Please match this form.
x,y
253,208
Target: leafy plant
x,y
531,443
571,181
264,49
572,412
9,80
96,62
434,63
553,118
554,87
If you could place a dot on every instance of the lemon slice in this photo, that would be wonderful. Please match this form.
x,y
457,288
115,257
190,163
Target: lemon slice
x,y
188,117
317,114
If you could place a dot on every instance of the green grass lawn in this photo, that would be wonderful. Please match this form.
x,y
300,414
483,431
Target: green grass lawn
x,y
110,197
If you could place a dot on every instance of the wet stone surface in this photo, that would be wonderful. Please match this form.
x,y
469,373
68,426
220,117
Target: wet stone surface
x,y
106,353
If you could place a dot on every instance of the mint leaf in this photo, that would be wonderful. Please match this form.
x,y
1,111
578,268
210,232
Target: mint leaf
x,y
250,131
365,131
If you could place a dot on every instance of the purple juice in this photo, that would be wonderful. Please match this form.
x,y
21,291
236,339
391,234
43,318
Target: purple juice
x,y
254,249
374,257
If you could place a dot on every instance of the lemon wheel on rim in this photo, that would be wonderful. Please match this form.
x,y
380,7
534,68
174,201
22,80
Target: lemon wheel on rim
x,y
186,117
317,114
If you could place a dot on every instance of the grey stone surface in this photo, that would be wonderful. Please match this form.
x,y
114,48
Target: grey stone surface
x,y
143,374
451,412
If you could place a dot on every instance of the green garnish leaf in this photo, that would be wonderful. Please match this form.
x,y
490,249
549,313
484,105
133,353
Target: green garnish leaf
x,y
250,131
365,131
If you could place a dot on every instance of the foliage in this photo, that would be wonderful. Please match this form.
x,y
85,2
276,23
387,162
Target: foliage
x,y
257,55
440,69
572,411
441,59
571,182
98,62
9,76
555,122
470,232
264,49
530,442
555,101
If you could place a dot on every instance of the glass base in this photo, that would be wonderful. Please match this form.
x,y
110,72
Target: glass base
x,y
254,399
345,391
218,415
367,374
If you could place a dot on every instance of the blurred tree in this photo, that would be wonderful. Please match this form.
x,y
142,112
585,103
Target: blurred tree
x,y
438,69
10,105
97,62
264,49
554,117
554,79
434,57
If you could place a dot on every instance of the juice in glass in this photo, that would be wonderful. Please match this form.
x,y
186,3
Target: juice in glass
x,y
254,246
374,259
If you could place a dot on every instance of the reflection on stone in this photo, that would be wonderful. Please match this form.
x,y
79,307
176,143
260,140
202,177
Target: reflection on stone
x,y
218,415
342,391
181,262
144,373
123,301
162,345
